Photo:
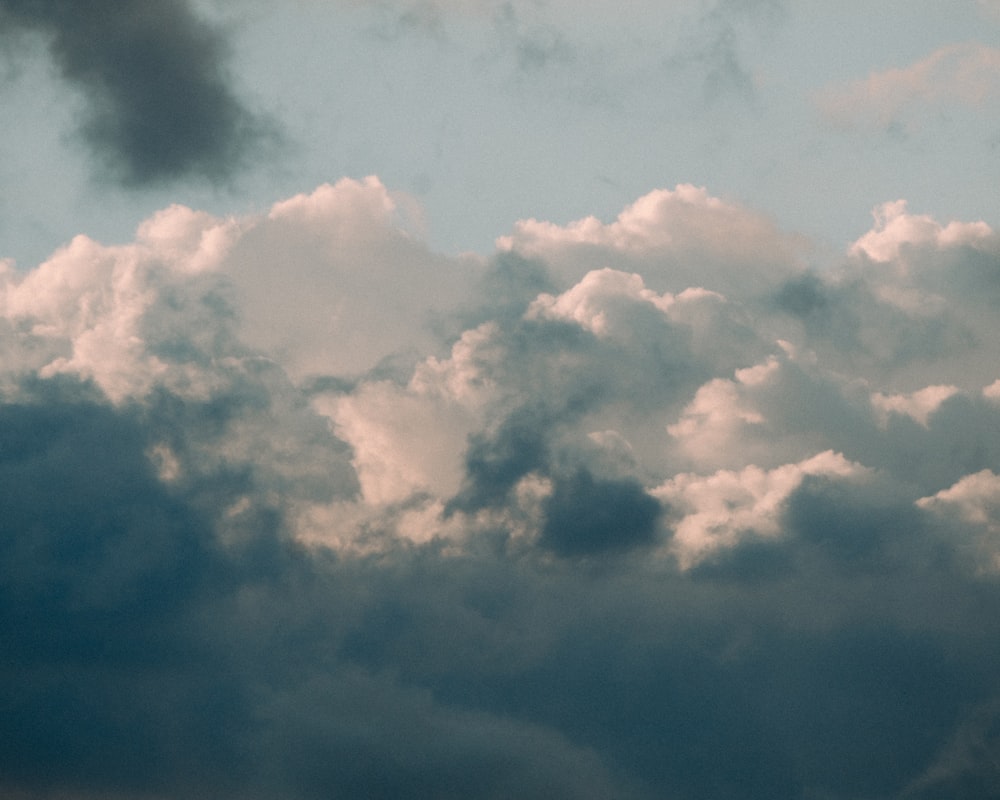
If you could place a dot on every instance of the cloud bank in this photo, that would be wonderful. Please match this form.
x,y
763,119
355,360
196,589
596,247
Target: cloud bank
x,y
159,104
295,507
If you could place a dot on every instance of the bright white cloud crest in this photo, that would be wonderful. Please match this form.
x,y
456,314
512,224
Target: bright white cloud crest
x,y
732,385
671,237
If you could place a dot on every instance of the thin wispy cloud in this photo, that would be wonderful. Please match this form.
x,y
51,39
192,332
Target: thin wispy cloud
x,y
956,75
713,46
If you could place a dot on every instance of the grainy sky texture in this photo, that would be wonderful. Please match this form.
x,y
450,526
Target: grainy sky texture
x,y
468,399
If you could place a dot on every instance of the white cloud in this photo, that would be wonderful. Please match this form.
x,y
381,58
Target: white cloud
x,y
190,241
896,229
82,312
976,498
593,301
975,501
334,281
992,392
404,442
965,74
718,511
714,419
776,411
326,283
918,405
672,238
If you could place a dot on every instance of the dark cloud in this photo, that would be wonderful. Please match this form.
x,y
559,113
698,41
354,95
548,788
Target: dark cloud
x,y
810,683
850,316
960,769
145,656
508,287
160,105
103,573
494,464
584,515
149,653
551,364
804,296
856,528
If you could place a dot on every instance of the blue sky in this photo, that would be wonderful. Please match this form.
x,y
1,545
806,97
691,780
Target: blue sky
x,y
455,399
492,112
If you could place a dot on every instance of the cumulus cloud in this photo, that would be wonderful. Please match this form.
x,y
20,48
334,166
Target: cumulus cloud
x,y
716,511
160,105
900,98
670,237
335,281
294,505
973,501
896,230
918,405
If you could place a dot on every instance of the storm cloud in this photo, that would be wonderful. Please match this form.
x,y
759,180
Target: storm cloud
x,y
643,508
159,103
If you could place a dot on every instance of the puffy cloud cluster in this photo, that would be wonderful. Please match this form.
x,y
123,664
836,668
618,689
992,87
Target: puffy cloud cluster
x,y
295,506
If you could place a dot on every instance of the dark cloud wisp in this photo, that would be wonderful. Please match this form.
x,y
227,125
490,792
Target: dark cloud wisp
x,y
160,105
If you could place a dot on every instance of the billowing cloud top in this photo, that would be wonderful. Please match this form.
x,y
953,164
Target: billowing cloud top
x,y
295,507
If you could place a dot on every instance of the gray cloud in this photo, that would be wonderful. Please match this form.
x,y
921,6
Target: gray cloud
x,y
159,102
585,516
494,464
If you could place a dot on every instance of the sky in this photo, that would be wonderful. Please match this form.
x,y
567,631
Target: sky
x,y
471,399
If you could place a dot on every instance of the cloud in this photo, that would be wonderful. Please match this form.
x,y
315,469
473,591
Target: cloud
x,y
160,105
336,280
960,769
973,501
134,637
918,405
896,229
535,46
585,516
911,303
714,45
670,237
716,511
641,508
955,75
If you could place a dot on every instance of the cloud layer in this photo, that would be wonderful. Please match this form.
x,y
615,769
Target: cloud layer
x,y
296,507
